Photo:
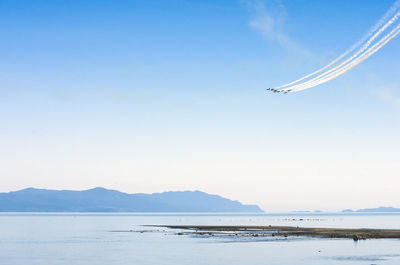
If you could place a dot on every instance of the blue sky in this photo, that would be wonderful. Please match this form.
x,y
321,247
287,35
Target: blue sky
x,y
148,96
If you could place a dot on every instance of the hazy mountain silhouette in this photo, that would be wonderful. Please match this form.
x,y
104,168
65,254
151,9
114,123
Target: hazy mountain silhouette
x,y
104,200
374,210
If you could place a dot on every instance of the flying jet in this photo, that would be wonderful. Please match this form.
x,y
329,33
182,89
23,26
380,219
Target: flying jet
x,y
275,90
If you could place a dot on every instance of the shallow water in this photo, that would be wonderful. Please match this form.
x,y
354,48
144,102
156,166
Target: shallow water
x,y
76,238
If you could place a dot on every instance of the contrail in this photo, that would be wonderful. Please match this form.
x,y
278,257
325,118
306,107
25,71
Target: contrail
x,y
355,62
379,24
358,53
380,44
359,56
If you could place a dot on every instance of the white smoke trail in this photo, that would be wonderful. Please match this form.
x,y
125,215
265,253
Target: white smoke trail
x,y
358,53
355,62
379,24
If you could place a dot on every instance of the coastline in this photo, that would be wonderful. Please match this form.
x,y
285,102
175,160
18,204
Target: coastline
x,y
286,231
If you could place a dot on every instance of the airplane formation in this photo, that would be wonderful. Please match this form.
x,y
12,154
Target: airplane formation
x,y
278,91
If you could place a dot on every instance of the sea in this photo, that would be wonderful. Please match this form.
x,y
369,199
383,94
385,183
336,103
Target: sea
x,y
127,239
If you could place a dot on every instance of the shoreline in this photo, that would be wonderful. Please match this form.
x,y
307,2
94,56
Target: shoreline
x,y
286,231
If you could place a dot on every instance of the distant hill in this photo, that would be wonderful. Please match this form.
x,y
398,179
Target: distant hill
x,y
374,210
104,200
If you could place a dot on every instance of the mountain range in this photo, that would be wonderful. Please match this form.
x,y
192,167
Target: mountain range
x,y
105,200
374,210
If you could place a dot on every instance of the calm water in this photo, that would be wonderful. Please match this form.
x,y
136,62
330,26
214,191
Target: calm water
x,y
51,239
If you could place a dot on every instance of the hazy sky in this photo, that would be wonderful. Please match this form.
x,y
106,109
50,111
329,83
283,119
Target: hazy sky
x,y
150,96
